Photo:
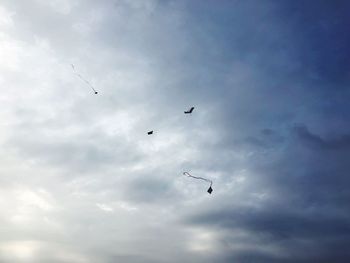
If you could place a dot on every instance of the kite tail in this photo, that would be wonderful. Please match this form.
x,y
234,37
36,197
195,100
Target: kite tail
x,y
83,79
197,177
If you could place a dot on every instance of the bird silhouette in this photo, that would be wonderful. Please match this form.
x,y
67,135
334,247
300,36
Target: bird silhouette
x,y
189,111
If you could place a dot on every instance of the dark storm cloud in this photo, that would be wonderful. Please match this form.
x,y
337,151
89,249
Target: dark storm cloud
x,y
278,223
321,38
316,141
291,78
309,201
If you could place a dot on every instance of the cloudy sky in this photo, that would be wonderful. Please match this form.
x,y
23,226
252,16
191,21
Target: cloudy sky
x,y
80,180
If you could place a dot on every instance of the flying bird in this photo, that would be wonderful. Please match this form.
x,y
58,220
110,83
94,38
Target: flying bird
x,y
150,132
189,111
87,82
210,189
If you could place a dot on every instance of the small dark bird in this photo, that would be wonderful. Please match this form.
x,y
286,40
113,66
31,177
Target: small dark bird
x,y
150,132
210,190
96,92
189,111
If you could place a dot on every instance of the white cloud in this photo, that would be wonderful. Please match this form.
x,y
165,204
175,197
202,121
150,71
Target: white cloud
x,y
60,6
104,207
6,18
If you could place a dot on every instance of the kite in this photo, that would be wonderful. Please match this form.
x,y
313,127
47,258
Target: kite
x,y
87,82
189,111
210,190
150,132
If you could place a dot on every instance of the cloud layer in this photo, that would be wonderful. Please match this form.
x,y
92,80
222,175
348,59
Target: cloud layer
x,y
80,179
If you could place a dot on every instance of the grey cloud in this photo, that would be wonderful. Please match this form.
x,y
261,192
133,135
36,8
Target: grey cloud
x,y
279,223
316,141
308,202
85,152
150,190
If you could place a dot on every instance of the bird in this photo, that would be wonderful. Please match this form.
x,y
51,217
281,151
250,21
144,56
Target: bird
x,y
150,132
189,111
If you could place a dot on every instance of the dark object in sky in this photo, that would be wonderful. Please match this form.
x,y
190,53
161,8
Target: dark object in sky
x,y
150,132
189,111
87,82
210,190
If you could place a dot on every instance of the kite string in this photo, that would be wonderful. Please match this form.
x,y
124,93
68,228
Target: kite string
x,y
197,177
79,76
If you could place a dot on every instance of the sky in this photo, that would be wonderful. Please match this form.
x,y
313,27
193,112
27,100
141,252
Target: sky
x,y
80,179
